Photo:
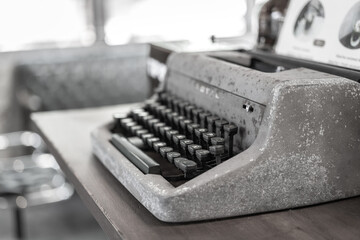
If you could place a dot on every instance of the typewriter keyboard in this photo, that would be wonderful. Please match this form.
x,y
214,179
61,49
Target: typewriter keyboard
x,y
173,138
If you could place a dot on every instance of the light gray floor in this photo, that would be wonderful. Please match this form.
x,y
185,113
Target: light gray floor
x,y
64,220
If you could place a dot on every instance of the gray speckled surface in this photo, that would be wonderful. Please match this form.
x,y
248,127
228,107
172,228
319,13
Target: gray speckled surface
x,y
307,149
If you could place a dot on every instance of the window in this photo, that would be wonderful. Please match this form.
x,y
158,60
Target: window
x,y
158,20
27,24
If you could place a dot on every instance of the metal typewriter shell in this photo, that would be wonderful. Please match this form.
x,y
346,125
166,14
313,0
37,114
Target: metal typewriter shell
x,y
307,148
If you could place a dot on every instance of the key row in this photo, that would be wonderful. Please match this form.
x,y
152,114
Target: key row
x,y
194,123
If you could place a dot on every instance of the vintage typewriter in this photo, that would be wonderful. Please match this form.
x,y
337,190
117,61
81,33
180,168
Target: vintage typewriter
x,y
236,133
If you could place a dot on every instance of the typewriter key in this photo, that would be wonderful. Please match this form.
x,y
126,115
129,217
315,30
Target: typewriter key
x,y
217,151
185,165
217,141
150,141
170,134
139,116
134,128
183,126
171,155
176,121
145,119
158,145
211,122
157,127
219,124
176,140
207,138
196,114
198,133
144,137
141,132
158,110
192,150
203,155
164,114
151,124
163,130
191,129
184,145
164,151
203,119
175,105
181,107
188,111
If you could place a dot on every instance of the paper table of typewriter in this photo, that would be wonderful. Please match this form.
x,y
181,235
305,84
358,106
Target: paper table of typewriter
x,y
224,140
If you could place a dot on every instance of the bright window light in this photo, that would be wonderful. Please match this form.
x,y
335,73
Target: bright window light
x,y
27,24
158,20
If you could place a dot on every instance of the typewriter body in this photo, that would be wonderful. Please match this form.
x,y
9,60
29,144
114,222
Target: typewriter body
x,y
220,139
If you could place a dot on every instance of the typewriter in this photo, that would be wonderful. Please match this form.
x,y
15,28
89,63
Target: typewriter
x,y
231,133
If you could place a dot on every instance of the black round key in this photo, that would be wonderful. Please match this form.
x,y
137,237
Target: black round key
x,y
185,143
136,111
211,122
185,165
231,128
175,104
217,151
157,127
196,114
183,125
170,134
165,112
125,120
165,150
119,116
182,106
128,125
177,120
144,137
192,150
158,110
145,119
219,124
141,132
152,122
139,116
134,128
207,136
199,132
177,138
152,107
217,141
150,141
171,155
163,130
171,117
203,155
158,145
188,110
203,116
191,128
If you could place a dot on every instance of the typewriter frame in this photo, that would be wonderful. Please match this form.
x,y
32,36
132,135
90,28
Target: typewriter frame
x,y
294,161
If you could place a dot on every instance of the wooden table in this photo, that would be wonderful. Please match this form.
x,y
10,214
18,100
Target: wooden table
x,y
121,216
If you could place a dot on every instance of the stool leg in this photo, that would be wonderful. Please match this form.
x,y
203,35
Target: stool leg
x,y
19,224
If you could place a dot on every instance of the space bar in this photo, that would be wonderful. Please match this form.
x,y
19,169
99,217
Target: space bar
x,y
135,155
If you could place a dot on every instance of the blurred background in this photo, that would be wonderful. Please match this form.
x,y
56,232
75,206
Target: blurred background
x,y
58,54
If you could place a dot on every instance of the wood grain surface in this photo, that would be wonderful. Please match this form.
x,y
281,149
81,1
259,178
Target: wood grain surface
x,y
121,216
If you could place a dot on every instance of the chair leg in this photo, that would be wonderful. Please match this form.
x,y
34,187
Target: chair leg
x,y
19,223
